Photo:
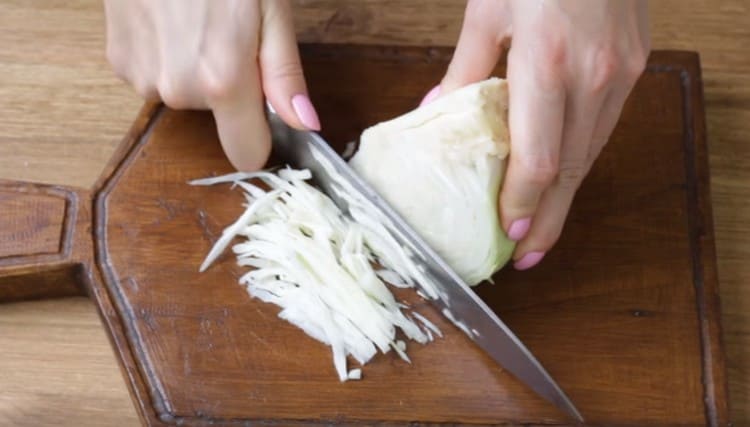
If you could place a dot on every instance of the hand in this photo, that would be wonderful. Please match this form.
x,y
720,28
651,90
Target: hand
x,y
571,65
222,55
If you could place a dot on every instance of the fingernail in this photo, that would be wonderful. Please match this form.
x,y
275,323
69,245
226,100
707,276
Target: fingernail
x,y
529,260
519,228
431,95
305,111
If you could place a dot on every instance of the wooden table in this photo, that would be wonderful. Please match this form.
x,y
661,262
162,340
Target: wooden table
x,y
62,113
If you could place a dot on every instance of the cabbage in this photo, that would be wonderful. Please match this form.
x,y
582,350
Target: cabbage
x,y
327,269
440,166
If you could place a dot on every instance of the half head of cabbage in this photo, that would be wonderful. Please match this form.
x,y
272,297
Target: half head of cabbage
x,y
441,166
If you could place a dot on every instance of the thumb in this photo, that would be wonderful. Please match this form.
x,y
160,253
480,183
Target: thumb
x,y
479,46
281,70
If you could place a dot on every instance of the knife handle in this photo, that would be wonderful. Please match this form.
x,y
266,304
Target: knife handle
x,y
45,241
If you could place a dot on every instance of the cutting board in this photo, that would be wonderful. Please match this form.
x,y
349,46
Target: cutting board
x,y
623,312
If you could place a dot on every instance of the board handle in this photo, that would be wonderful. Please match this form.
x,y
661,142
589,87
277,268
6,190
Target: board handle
x,y
45,241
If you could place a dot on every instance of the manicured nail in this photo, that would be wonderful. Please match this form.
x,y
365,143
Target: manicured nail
x,y
529,260
431,95
519,228
305,111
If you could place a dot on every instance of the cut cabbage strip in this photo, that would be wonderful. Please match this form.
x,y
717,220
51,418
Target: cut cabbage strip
x,y
429,325
318,264
379,231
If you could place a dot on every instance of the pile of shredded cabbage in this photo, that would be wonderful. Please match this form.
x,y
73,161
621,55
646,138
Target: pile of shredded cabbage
x,y
325,268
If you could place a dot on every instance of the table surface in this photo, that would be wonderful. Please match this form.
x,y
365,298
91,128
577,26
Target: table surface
x,y
63,112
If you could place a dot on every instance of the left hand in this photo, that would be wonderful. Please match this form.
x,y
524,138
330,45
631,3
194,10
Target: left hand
x,y
571,66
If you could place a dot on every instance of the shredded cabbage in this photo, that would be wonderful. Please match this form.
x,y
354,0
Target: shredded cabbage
x,y
319,265
440,166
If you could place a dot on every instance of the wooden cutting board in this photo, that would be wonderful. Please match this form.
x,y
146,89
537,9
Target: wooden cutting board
x,y
623,312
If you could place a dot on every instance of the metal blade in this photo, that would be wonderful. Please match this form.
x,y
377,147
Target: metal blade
x,y
456,300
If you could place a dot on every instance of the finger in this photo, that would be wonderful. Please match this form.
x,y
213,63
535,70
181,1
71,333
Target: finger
x,y
230,81
129,64
555,202
178,83
140,79
281,70
608,119
535,117
553,209
146,89
241,123
479,46
178,92
118,38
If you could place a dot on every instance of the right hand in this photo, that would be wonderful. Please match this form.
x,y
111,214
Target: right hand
x,y
222,55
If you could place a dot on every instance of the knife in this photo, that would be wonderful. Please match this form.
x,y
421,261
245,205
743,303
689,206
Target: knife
x,y
455,298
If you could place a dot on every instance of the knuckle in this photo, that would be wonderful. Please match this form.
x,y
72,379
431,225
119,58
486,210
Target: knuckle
x,y
542,60
173,95
142,88
606,66
636,64
219,82
549,70
553,48
218,88
288,70
540,170
571,176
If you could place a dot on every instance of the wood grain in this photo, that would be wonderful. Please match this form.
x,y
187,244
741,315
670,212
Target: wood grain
x,y
651,350
63,113
57,367
46,237
195,349
25,227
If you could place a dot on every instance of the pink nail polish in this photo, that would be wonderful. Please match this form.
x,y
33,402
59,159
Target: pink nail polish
x,y
431,95
519,228
305,111
529,260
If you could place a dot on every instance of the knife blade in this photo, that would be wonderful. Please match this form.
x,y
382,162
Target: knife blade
x,y
455,299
